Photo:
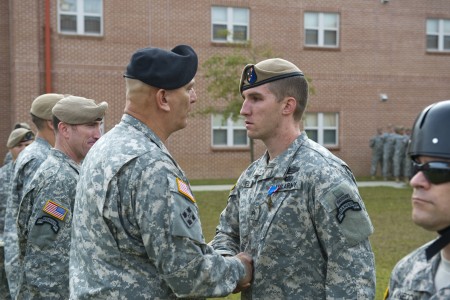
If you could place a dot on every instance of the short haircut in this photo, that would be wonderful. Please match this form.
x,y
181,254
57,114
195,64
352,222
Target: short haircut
x,y
40,123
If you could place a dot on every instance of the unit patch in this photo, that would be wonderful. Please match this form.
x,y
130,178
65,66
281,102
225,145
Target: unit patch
x,y
54,209
344,203
189,217
48,220
184,189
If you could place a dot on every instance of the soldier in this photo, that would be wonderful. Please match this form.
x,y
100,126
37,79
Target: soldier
x,y
425,272
26,164
45,212
297,209
136,233
407,160
399,152
17,141
8,155
376,144
388,152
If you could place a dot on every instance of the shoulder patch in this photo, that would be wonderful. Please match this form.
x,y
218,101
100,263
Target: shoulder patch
x,y
184,189
54,209
344,203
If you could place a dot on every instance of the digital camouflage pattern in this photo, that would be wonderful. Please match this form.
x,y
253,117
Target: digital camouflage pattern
x,y
301,218
5,188
376,144
136,233
26,165
413,278
44,229
388,153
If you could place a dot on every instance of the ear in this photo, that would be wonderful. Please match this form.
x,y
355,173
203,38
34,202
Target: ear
x,y
162,100
50,124
63,129
289,106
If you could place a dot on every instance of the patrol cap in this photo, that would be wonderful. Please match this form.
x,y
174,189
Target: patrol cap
x,y
429,135
42,105
79,110
19,135
163,69
267,71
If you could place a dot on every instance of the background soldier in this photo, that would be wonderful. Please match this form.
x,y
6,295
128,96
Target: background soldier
x,y
399,152
376,144
388,152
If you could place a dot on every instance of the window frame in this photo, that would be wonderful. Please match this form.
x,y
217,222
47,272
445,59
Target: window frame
x,y
80,15
321,128
230,23
440,35
321,29
230,127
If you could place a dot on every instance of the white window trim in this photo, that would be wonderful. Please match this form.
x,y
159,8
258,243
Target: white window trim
x,y
230,23
321,30
80,14
229,127
440,34
321,128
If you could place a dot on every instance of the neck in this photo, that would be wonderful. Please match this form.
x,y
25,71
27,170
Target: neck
x,y
151,120
281,142
47,135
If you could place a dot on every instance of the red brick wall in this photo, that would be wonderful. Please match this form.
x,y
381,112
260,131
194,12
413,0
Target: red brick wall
x,y
382,50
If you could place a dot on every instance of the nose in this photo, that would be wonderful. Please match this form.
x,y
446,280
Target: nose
x,y
419,181
192,95
245,108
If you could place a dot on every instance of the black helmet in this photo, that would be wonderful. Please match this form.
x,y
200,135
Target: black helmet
x,y
431,132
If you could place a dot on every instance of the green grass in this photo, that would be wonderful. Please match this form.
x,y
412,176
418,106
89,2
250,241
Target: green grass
x,y
390,211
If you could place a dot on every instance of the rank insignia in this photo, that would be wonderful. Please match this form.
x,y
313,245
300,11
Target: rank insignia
x,y
184,189
189,217
54,209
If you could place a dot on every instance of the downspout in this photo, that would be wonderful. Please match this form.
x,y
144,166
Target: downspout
x,y
48,65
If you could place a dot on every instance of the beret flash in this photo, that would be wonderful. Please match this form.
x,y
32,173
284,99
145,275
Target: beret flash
x,y
163,69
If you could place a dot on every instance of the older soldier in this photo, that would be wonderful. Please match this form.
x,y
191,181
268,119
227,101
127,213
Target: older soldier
x,y
26,164
17,141
425,273
136,233
376,144
45,212
297,209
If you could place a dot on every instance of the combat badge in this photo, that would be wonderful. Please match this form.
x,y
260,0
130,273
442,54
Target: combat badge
x,y
54,209
184,189
189,217
344,203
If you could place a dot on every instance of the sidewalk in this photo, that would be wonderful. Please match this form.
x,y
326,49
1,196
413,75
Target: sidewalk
x,y
360,184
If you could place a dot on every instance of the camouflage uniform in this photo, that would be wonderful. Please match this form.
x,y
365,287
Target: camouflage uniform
x,y
388,154
5,183
413,277
399,154
44,228
301,218
376,144
135,231
26,164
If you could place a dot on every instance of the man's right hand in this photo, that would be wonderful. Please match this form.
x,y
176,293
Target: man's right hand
x,y
244,283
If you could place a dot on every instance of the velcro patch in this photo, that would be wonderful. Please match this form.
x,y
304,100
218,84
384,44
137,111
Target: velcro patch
x,y
54,209
189,217
48,220
344,203
184,189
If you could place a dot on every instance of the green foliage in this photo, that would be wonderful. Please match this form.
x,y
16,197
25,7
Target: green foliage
x,y
389,209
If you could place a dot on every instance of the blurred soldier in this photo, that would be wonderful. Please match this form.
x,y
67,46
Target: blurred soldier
x,y
26,164
376,144
45,212
297,209
136,232
425,272
388,152
407,160
8,156
17,141
399,152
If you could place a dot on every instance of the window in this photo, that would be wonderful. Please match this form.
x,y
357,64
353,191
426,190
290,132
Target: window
x,y
438,35
228,133
229,24
322,128
321,29
80,17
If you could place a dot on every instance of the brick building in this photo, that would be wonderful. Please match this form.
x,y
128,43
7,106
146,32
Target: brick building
x,y
372,63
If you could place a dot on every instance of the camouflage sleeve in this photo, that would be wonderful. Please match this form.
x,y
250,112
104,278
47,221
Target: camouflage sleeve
x,y
172,235
227,238
343,228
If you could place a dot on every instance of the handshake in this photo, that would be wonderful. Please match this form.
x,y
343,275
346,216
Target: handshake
x,y
244,283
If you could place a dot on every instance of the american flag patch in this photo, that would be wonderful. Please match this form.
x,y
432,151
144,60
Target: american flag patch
x,y
55,210
185,190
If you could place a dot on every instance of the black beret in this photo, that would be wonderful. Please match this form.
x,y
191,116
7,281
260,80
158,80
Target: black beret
x,y
163,69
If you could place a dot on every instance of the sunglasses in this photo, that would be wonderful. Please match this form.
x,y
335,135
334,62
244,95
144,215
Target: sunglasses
x,y
436,172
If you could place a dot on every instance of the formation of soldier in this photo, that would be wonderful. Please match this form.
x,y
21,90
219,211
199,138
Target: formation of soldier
x,y
389,153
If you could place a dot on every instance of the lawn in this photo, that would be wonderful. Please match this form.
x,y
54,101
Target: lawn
x,y
389,208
